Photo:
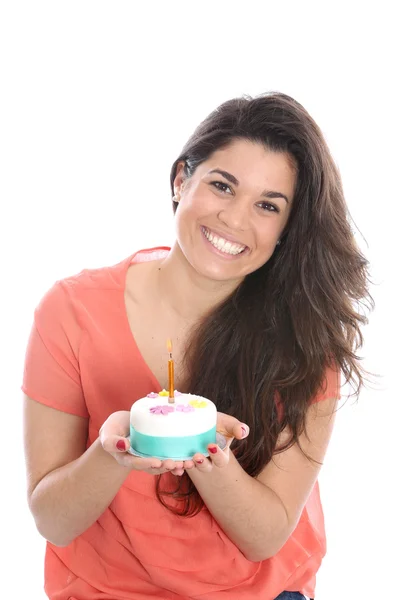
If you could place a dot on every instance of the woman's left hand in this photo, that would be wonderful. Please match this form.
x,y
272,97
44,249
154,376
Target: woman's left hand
x,y
231,429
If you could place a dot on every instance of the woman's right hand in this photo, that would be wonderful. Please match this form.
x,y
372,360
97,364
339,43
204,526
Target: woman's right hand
x,y
113,436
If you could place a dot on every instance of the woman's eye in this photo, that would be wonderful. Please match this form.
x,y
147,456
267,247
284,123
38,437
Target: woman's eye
x,y
222,187
267,206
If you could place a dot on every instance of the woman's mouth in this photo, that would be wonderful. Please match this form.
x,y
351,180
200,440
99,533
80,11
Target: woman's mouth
x,y
221,244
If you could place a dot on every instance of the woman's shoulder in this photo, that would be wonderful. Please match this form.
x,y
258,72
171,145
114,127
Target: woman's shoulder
x,y
70,297
105,277
91,292
111,277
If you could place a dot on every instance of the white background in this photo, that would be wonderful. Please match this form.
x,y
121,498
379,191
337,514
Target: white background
x,y
97,99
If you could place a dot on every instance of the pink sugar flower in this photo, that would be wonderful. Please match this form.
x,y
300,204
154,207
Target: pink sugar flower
x,y
186,408
152,395
161,410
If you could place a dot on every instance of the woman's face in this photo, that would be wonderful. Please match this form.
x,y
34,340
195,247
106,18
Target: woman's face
x,y
233,209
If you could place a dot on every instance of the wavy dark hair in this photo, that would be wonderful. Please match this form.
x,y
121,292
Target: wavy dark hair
x,y
293,318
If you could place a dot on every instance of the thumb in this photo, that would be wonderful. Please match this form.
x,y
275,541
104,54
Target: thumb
x,y
114,443
114,432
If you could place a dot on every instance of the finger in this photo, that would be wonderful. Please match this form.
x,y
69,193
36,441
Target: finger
x,y
188,464
177,472
153,465
114,443
233,429
156,471
145,463
202,463
218,457
170,464
226,424
118,423
240,431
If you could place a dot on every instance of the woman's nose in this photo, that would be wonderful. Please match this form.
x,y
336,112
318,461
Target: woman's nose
x,y
235,216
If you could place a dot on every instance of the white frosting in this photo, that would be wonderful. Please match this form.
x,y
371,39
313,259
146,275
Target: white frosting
x,y
176,423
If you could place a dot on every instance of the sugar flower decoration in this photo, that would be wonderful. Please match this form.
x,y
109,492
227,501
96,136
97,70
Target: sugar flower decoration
x,y
161,410
163,393
198,403
186,408
152,395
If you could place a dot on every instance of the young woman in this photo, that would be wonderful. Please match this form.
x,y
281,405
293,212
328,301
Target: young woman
x,y
259,295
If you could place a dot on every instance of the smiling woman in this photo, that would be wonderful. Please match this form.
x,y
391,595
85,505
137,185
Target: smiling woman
x,y
234,209
263,318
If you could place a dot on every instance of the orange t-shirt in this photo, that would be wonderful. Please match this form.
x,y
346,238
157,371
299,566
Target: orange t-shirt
x,y
82,359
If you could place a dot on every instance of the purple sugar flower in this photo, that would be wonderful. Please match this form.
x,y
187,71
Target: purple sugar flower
x,y
161,410
152,395
186,408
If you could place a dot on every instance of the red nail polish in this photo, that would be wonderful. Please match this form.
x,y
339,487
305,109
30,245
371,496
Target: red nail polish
x,y
120,445
213,450
244,431
200,461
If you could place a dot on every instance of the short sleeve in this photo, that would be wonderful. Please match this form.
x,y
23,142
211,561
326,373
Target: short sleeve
x,y
51,369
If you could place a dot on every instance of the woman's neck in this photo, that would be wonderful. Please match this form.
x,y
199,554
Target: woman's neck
x,y
186,293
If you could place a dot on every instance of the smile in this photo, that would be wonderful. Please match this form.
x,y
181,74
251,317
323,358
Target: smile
x,y
222,244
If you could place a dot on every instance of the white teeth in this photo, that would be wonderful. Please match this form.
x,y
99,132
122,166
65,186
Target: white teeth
x,y
222,244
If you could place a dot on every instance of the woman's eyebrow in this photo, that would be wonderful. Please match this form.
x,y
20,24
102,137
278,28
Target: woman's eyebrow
x,y
225,174
232,179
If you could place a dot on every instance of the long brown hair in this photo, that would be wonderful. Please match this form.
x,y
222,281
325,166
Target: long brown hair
x,y
296,315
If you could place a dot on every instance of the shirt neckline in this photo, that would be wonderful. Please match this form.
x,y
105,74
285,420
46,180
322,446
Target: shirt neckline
x,y
131,342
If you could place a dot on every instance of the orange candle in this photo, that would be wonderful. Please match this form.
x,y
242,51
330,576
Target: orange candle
x,y
171,398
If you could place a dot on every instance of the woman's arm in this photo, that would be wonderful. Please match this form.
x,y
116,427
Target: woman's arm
x,y
69,487
260,514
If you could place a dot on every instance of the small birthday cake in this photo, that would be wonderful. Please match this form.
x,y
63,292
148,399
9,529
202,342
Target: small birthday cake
x,y
175,430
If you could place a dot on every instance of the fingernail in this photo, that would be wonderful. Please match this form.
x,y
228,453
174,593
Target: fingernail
x,y
120,445
213,450
244,432
200,460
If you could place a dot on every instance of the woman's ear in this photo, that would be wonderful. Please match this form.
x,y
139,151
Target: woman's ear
x,y
179,177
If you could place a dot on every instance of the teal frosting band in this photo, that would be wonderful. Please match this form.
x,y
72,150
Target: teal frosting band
x,y
172,447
